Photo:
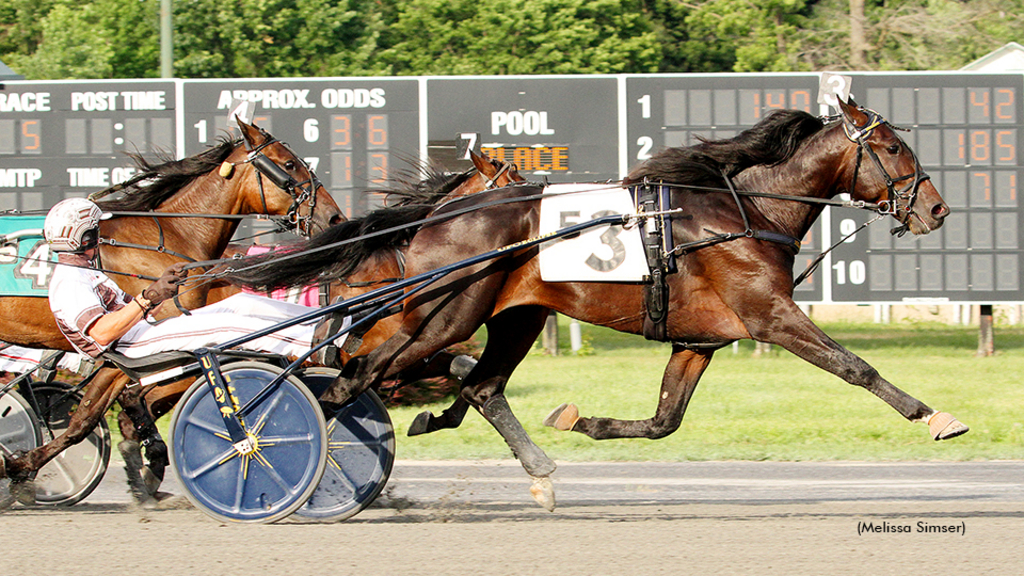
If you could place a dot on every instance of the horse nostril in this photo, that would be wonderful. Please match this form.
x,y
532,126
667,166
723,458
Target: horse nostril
x,y
940,211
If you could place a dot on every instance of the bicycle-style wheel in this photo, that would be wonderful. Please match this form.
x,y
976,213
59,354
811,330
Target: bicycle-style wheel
x,y
74,473
18,430
361,452
277,475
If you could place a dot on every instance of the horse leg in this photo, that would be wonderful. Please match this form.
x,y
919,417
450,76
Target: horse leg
x,y
458,367
139,430
684,370
795,332
510,335
98,396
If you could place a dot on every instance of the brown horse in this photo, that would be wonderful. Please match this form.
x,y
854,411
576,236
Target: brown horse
x,y
379,268
147,245
734,250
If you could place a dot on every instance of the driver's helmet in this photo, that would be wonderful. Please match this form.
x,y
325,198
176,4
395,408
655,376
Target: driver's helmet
x,y
73,225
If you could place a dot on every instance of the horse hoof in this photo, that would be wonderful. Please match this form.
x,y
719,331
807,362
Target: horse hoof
x,y
943,426
150,480
24,492
420,425
543,492
563,418
3,466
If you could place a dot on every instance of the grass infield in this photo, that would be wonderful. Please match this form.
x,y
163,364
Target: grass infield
x,y
774,407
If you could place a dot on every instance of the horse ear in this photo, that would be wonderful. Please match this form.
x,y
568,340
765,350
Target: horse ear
x,y
853,113
481,163
253,135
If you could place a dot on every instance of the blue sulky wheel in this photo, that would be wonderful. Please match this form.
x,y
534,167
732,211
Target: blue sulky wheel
x,y
277,475
77,471
361,452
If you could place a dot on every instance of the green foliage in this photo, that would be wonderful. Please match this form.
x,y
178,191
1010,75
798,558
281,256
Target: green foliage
x,y
520,37
44,39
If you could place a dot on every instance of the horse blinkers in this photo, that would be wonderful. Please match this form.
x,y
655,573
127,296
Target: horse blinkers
x,y
891,206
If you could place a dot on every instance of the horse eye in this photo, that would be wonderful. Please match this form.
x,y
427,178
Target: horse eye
x,y
289,165
893,149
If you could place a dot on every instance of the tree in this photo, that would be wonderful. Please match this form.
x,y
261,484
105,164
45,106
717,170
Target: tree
x,y
273,38
762,36
909,34
520,37
70,48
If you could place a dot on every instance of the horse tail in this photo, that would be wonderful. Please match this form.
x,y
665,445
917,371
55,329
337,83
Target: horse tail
x,y
331,255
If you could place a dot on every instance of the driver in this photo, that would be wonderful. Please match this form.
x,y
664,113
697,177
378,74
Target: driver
x,y
96,315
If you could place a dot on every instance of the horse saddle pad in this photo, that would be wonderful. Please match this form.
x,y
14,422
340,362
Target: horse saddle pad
x,y
600,254
26,262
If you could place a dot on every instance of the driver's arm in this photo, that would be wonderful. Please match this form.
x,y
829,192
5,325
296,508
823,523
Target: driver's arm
x,y
113,325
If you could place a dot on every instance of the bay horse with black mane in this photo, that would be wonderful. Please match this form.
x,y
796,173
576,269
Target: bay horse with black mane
x,y
734,280
265,177
427,187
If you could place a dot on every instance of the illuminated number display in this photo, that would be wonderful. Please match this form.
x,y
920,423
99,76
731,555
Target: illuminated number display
x,y
60,139
559,128
350,131
667,111
966,132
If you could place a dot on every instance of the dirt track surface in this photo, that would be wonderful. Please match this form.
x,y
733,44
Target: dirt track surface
x,y
459,526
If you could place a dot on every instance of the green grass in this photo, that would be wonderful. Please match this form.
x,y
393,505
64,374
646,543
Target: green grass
x,y
770,408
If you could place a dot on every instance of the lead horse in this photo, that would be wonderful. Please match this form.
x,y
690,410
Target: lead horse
x,y
734,251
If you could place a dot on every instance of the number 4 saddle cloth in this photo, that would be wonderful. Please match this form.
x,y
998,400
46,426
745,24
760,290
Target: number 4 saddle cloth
x,y
26,262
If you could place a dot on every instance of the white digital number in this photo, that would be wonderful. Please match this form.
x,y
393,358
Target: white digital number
x,y
857,272
201,127
646,143
645,105
311,130
847,226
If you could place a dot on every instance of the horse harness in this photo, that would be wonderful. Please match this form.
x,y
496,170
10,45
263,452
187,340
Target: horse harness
x,y
653,200
306,189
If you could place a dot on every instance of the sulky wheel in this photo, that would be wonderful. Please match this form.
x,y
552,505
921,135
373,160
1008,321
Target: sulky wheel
x,y
18,430
277,475
361,451
77,471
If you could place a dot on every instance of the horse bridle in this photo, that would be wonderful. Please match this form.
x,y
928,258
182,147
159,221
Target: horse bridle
x,y
300,192
908,193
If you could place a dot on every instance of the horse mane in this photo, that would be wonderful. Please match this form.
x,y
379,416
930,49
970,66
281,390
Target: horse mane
x,y
156,183
771,141
417,191
422,184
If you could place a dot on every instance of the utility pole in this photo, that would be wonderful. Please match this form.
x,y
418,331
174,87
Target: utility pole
x,y
166,40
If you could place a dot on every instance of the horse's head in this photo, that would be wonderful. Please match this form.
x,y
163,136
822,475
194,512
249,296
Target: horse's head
x,y
885,171
294,191
489,174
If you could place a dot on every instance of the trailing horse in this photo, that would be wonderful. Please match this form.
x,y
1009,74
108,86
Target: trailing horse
x,y
734,248
224,181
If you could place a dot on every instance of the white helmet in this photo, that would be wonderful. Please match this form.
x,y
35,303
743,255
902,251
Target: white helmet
x,y
69,223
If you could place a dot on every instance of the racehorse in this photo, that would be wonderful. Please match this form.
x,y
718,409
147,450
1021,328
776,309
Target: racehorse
x,y
380,267
734,249
225,180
